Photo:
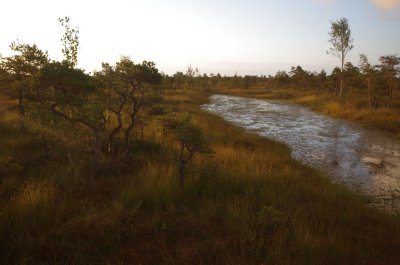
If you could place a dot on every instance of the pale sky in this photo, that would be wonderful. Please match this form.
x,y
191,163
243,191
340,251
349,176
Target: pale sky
x,y
225,36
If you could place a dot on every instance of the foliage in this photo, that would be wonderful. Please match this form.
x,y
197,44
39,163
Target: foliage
x,y
69,90
70,41
188,135
17,70
341,40
342,43
130,92
390,69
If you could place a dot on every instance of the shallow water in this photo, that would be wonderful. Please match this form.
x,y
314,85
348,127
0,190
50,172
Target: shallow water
x,y
365,160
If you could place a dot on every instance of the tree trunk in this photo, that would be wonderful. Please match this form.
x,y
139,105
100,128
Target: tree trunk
x,y
116,130
128,132
113,133
182,162
341,79
96,129
135,109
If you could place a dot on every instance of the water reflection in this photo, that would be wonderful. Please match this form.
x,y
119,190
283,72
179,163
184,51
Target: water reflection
x,y
365,160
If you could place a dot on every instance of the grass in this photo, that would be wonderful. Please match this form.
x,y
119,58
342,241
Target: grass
x,y
249,204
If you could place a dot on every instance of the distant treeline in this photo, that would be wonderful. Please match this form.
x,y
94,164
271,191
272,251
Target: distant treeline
x,y
377,81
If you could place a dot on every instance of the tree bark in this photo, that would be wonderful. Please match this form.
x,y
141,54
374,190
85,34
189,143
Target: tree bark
x,y
341,78
113,133
116,130
182,162
133,117
95,129
128,131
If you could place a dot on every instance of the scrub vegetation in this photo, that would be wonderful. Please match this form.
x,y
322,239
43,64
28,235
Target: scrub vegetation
x,y
123,167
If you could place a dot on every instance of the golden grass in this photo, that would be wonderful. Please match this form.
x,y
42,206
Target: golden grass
x,y
249,204
381,118
33,194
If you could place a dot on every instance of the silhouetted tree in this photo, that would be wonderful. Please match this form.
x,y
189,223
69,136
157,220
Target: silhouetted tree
x,y
282,78
352,75
322,79
136,77
117,99
179,80
190,76
299,77
19,69
390,68
74,96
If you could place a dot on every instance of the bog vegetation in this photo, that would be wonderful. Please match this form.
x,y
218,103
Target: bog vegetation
x,y
122,167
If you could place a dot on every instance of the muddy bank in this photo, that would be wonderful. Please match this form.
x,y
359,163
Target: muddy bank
x,y
365,160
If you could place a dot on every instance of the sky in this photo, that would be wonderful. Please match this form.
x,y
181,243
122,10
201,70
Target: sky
x,y
254,37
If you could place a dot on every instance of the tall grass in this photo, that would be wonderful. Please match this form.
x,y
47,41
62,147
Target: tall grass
x,y
249,204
